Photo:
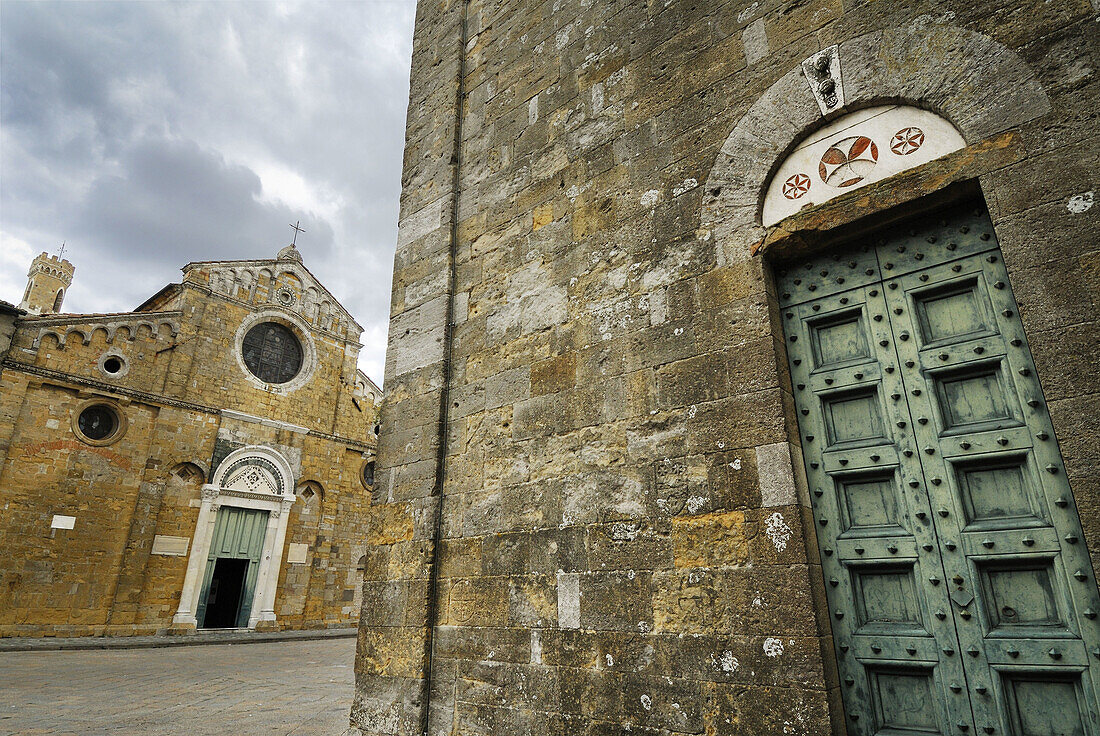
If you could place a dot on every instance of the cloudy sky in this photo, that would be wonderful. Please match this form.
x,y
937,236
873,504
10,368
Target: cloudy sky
x,y
149,134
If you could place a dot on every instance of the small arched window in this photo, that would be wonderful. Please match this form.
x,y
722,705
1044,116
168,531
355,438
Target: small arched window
x,y
57,300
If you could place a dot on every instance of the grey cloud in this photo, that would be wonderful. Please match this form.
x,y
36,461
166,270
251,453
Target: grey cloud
x,y
175,202
138,131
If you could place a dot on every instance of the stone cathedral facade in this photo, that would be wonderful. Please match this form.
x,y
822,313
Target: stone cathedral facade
x,y
204,461
743,373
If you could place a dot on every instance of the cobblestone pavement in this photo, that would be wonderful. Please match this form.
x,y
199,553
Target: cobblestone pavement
x,y
286,688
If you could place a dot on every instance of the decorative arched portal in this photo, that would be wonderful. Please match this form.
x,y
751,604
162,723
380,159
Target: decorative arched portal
x,y
242,520
960,596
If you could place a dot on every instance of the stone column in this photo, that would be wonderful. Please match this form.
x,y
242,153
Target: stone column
x,y
184,622
268,578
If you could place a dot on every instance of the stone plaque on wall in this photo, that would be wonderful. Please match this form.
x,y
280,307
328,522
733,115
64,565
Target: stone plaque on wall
x,y
297,553
171,546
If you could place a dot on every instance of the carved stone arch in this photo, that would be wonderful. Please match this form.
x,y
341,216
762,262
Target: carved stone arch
x,y
59,337
100,328
291,279
148,325
126,331
310,298
173,327
275,473
248,284
85,337
977,84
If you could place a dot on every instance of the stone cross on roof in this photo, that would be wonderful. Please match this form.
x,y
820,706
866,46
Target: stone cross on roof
x,y
297,230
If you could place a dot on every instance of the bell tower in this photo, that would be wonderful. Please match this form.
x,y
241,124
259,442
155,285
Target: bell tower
x,y
47,281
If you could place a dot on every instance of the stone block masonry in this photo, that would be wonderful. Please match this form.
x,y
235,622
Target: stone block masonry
x,y
185,401
594,516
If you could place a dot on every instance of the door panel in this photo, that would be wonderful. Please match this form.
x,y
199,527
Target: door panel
x,y
961,596
238,533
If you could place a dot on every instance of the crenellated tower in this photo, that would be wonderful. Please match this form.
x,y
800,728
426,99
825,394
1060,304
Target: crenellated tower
x,y
47,281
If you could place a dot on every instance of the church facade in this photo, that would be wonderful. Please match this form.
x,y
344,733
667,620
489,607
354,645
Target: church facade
x,y
204,461
742,373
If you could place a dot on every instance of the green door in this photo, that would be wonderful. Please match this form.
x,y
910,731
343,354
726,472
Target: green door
x,y
238,535
961,595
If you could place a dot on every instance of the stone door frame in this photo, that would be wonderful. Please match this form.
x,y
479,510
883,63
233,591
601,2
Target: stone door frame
x,y
924,65
214,496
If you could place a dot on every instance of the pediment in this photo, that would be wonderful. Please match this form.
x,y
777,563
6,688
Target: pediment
x,y
252,479
283,283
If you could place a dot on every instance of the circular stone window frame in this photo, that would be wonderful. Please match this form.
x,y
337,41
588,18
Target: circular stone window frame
x,y
298,328
121,422
101,364
285,296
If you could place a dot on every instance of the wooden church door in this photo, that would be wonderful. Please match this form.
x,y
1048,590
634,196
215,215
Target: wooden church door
x,y
238,538
961,596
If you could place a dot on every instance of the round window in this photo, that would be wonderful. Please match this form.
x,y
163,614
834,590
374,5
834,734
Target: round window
x,y
368,474
272,352
98,422
112,365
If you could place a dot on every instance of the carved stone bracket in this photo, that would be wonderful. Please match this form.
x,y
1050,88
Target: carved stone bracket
x,y
822,71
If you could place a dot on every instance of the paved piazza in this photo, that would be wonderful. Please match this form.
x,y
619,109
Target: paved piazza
x,y
291,688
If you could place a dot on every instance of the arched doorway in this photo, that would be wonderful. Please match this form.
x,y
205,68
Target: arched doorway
x,y
957,583
959,594
234,564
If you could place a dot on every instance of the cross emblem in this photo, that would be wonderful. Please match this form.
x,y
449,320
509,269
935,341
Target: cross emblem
x,y
296,231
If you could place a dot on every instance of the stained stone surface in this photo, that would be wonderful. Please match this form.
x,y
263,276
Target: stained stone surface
x,y
624,538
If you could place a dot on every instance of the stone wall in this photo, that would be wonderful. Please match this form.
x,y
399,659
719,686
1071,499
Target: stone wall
x,y
187,402
585,364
